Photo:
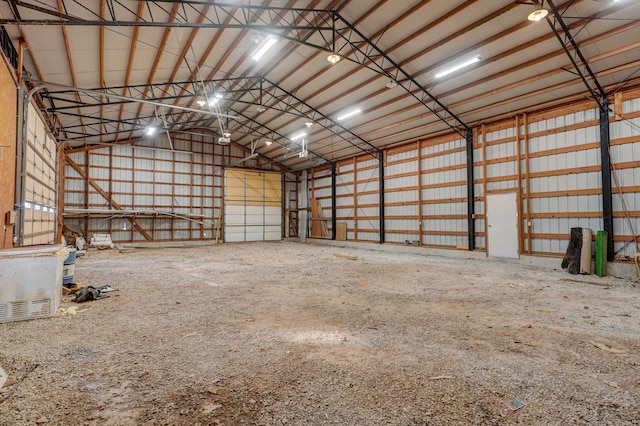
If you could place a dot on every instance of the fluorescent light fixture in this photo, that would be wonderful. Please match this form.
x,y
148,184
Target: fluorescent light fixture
x,y
298,136
349,114
266,46
459,67
308,123
333,58
538,15
213,101
151,130
268,142
201,102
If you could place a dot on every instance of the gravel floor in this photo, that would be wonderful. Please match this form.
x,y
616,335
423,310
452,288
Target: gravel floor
x,y
289,333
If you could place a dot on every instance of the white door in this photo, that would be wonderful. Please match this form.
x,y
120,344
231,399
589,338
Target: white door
x,y
502,225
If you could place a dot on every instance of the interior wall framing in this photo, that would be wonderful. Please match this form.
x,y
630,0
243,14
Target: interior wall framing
x,y
174,186
550,159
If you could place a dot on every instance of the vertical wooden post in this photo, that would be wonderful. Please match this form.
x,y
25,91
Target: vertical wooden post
x,y
355,198
519,172
527,179
484,188
61,177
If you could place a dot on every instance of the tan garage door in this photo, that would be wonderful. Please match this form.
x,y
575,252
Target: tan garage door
x,y
253,206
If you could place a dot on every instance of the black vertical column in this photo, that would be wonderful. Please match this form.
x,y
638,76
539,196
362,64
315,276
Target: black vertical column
x,y
471,224
334,220
607,198
381,189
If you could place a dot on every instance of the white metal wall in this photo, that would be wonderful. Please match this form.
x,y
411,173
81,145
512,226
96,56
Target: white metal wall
x,y
402,209
186,181
625,155
357,197
444,193
320,190
565,183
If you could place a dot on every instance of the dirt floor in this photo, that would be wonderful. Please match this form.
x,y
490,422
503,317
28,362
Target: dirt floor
x,y
289,333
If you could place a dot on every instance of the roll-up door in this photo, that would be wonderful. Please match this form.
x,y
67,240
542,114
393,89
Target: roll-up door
x,y
253,206
39,192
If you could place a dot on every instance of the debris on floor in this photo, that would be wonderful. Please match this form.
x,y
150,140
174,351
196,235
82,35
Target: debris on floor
x,y
71,310
514,404
3,377
17,382
345,256
101,241
89,293
608,348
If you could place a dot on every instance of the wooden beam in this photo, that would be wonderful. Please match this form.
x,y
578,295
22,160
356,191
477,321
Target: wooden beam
x,y
106,196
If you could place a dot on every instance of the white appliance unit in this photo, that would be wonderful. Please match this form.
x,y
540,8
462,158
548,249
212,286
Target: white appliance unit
x,y
30,282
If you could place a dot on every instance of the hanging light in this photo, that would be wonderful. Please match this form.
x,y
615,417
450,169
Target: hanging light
x,y
538,14
333,58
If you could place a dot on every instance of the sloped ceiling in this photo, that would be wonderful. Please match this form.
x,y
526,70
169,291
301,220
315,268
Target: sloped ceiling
x,y
170,53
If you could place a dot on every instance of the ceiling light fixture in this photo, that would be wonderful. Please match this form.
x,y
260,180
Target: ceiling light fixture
x,y
227,134
266,46
308,123
261,109
151,130
256,37
538,14
268,142
333,58
391,84
298,136
349,114
458,67
201,102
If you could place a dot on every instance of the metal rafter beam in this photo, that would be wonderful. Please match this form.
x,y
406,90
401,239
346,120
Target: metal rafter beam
x,y
247,90
590,80
280,99
251,126
325,30
240,89
582,68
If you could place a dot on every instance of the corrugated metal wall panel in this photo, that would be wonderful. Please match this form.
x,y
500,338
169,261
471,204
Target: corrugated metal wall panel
x,y
147,178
